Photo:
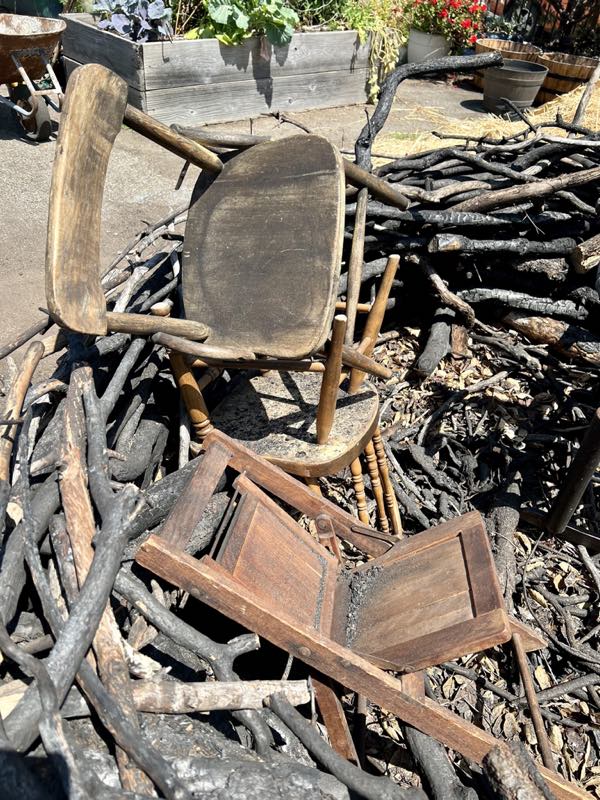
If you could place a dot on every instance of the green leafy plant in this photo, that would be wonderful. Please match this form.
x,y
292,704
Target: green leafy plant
x,y
386,25
232,21
320,14
494,24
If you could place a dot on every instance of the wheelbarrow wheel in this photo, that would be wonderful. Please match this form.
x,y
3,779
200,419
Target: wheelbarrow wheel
x,y
37,126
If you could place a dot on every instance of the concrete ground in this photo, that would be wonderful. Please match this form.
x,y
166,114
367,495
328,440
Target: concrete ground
x,y
141,181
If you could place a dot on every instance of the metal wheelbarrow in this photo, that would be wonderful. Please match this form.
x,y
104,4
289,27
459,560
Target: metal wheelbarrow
x,y
28,45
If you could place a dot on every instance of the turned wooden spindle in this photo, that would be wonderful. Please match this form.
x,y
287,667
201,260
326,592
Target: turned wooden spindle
x,y
388,490
359,491
373,468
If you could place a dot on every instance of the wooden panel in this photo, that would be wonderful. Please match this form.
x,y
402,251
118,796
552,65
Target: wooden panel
x,y
224,102
472,636
262,545
189,508
135,97
423,605
290,194
432,537
485,587
206,581
421,594
191,63
83,42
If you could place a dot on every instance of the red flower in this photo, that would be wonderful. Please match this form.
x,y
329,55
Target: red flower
x,y
472,39
443,13
483,7
475,26
465,23
473,9
455,3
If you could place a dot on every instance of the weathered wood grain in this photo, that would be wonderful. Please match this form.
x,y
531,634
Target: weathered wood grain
x,y
192,105
205,61
206,580
84,43
204,81
289,192
85,139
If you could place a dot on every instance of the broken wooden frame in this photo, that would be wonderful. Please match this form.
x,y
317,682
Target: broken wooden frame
x,y
223,587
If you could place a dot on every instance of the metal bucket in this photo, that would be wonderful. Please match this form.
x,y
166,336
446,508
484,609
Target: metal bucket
x,y
519,51
518,81
21,33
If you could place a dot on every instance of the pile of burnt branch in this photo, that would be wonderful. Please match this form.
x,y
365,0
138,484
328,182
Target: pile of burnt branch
x,y
95,456
114,685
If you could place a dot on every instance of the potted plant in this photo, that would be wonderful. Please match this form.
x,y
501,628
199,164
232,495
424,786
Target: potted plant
x,y
438,27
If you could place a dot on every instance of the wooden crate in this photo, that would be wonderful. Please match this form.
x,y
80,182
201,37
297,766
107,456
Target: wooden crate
x,y
202,81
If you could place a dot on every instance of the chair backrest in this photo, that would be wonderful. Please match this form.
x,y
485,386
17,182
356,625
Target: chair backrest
x,y
262,250
92,116
260,547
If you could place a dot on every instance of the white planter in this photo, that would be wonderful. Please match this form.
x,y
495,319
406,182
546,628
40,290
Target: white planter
x,y
426,46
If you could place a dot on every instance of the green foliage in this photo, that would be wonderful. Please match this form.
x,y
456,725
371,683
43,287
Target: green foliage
x,y
232,21
385,23
320,14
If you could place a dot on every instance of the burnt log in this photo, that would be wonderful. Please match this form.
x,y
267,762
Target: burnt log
x,y
454,243
568,340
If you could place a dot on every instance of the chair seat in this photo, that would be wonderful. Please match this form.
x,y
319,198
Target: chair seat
x,y
431,598
274,415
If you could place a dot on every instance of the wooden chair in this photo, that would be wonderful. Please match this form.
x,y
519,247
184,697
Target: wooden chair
x,y
419,602
261,267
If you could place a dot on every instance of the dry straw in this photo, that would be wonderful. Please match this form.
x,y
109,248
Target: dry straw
x,y
489,125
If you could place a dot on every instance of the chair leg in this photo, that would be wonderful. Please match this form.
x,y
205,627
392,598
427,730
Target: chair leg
x,y
314,485
388,490
373,468
331,380
192,396
359,491
334,717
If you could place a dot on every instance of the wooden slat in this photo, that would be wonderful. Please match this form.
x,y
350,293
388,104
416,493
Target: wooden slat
x,y
206,581
135,97
334,718
187,512
206,61
91,119
486,594
472,636
224,102
84,43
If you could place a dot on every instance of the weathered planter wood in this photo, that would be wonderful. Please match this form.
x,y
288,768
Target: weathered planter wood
x,y
202,81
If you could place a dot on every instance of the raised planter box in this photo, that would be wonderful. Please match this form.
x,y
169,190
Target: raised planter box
x,y
201,81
